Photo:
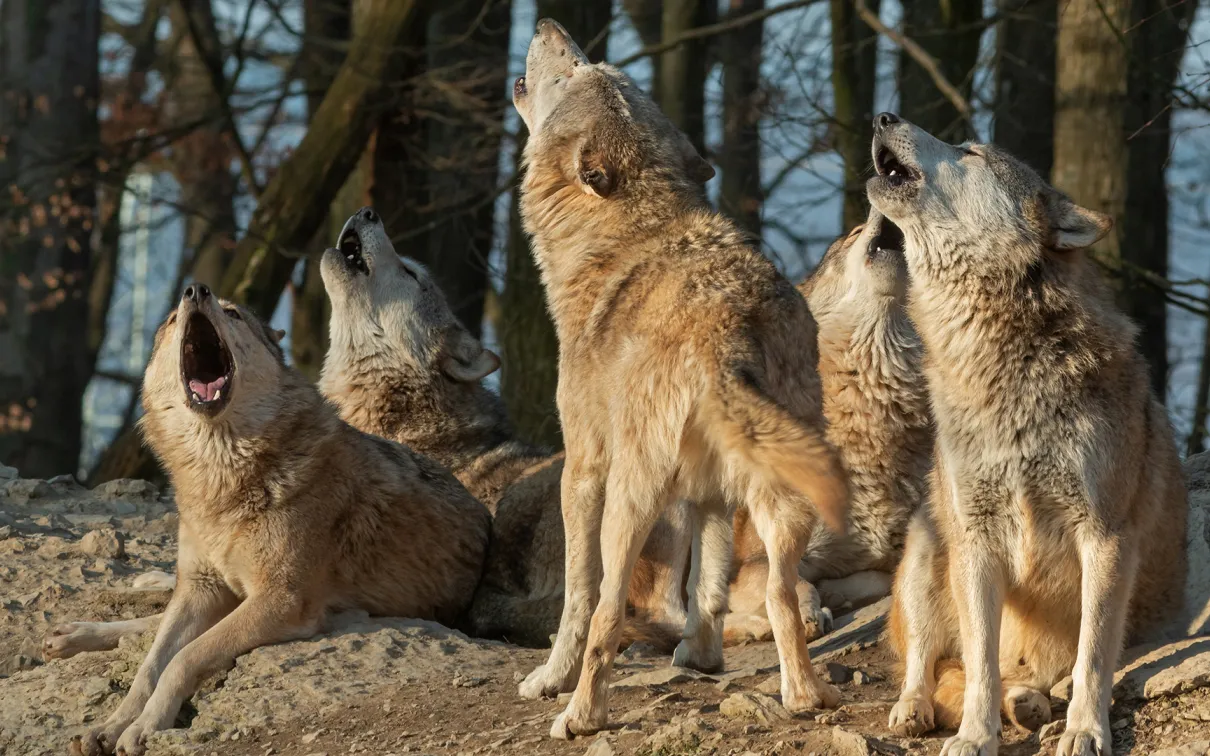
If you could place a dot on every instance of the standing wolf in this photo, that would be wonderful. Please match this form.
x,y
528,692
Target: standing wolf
x,y
285,513
876,403
686,371
1056,522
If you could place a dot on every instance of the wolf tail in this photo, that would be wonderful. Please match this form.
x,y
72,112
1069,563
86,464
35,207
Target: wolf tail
x,y
762,432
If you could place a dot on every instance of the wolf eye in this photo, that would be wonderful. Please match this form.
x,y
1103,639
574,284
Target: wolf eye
x,y
172,318
971,152
856,230
231,311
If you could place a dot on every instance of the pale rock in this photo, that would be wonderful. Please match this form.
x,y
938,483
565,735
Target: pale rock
x,y
8,473
600,747
105,542
1169,670
756,706
665,676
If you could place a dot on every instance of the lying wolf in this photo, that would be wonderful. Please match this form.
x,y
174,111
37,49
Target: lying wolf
x,y
402,366
876,403
687,370
286,513
1056,521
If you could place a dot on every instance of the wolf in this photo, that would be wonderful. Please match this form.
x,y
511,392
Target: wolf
x,y
400,365
875,401
687,370
1055,526
286,513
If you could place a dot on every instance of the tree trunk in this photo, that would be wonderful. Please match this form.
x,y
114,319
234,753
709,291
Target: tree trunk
x,y
743,103
1158,43
1025,81
527,339
1090,102
328,25
647,17
286,217
949,31
49,137
468,50
854,55
683,69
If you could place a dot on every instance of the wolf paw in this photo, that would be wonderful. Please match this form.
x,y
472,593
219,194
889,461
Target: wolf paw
x,y
66,640
1027,708
817,622
542,683
911,717
703,657
821,695
959,746
99,742
133,741
155,579
572,722
1083,743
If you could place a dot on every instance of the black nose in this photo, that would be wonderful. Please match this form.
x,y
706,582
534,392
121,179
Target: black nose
x,y
883,120
368,214
198,292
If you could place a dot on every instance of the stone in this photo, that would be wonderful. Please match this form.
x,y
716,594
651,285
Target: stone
x,y
836,673
683,734
126,488
665,676
1169,670
1062,689
1196,748
770,687
24,490
105,542
1052,730
600,747
862,677
845,743
8,473
758,706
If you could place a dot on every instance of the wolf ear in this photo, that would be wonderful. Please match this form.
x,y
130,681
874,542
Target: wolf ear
x,y
697,168
1075,227
595,173
468,361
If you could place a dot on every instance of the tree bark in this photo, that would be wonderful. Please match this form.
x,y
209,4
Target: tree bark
x,y
949,31
743,104
528,345
854,56
647,17
286,219
1158,43
49,138
1090,103
1025,81
468,50
683,69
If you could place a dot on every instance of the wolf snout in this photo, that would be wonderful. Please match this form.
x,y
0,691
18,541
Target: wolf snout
x,y
196,293
548,27
885,120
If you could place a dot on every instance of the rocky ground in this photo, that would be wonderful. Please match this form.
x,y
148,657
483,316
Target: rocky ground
x,y
392,686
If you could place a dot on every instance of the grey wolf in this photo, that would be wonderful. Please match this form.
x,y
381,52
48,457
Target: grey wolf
x,y
403,367
876,403
286,513
1055,526
687,371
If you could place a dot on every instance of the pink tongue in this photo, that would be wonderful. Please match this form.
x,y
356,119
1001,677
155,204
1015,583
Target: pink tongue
x,y
207,391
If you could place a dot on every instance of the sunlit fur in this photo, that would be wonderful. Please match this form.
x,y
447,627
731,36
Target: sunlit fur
x,y
687,370
286,513
1057,508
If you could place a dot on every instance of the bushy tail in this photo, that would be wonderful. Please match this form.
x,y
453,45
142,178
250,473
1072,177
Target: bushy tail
x,y
762,432
663,638
949,694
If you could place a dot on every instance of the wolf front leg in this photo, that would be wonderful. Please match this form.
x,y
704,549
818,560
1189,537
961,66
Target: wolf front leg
x,y
199,601
977,579
583,498
1108,564
257,621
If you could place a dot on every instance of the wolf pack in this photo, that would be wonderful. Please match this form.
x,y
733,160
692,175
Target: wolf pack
x,y
950,409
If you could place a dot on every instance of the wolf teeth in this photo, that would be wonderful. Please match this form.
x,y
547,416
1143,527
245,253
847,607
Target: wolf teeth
x,y
894,172
218,395
196,398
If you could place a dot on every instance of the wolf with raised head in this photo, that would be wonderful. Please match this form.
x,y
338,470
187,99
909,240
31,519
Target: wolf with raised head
x,y
1055,527
687,370
876,403
286,513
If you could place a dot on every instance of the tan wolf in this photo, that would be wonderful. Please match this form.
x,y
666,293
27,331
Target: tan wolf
x,y
1056,521
687,370
286,513
876,403
401,365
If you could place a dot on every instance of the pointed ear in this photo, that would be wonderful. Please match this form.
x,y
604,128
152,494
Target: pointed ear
x,y
697,168
1075,227
468,361
595,173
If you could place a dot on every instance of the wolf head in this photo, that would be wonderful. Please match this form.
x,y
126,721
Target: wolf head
x,y
591,128
860,271
971,192
388,315
213,362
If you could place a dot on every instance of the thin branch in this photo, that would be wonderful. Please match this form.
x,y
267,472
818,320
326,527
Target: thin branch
x,y
713,30
922,58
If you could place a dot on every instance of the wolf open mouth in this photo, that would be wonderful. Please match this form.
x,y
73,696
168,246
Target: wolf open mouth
x,y
889,240
350,250
889,166
206,366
